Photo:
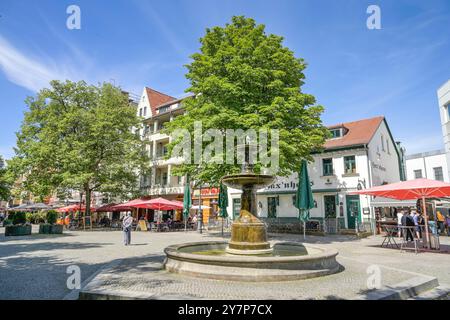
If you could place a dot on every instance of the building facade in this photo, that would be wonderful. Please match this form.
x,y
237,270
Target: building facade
x,y
443,94
429,165
361,154
157,109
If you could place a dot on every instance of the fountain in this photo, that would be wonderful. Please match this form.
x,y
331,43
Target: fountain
x,y
248,256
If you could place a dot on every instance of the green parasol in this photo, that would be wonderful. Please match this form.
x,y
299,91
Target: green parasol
x,y
304,199
223,202
187,202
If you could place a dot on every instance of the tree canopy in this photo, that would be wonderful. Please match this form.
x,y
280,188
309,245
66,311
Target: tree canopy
x,y
243,78
4,181
82,137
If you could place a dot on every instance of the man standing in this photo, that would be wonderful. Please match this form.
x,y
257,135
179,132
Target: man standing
x,y
408,221
126,225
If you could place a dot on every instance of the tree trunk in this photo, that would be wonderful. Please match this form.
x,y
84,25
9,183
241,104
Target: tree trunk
x,y
88,206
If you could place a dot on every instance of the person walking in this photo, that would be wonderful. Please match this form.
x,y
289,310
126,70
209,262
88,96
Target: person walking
x,y
126,225
440,221
447,224
408,221
421,222
399,222
416,218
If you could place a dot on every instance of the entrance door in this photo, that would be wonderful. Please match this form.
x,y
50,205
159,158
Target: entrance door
x,y
271,207
353,210
330,206
330,225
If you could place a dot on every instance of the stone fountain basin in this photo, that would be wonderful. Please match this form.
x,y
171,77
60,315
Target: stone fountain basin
x,y
258,181
289,261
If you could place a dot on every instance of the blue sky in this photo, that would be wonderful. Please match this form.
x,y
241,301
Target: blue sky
x,y
353,71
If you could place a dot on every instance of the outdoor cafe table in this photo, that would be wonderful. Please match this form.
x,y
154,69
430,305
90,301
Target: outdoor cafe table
x,y
391,234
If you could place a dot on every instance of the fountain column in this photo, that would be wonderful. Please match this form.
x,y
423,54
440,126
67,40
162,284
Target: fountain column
x,y
248,233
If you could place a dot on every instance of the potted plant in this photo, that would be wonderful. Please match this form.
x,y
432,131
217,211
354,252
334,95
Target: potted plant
x,y
17,225
30,217
50,227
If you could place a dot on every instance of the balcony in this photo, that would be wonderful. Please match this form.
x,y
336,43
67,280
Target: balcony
x,y
165,189
161,155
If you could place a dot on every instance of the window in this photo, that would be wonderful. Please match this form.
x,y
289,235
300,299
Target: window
x,y
145,111
417,174
349,164
271,207
447,107
164,179
146,129
140,112
388,148
438,174
327,167
236,207
382,143
336,133
164,109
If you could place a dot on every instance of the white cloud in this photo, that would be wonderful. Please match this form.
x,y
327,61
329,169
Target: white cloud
x,y
29,72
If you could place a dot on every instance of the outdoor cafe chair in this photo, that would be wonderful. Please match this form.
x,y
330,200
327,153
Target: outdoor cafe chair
x,y
153,227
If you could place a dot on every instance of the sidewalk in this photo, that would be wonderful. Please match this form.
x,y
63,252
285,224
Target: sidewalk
x,y
144,278
34,267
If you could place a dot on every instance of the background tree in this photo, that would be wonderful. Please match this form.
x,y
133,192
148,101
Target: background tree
x,y
243,78
82,137
5,184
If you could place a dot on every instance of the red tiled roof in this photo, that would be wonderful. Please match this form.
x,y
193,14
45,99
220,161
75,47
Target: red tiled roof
x,y
358,133
157,98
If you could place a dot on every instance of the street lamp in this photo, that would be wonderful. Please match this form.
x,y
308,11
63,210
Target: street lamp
x,y
200,211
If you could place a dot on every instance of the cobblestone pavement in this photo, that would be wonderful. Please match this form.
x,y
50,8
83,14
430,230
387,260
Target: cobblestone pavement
x,y
34,267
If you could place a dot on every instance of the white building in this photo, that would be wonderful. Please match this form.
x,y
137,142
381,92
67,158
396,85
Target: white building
x,y
361,154
157,109
429,165
443,94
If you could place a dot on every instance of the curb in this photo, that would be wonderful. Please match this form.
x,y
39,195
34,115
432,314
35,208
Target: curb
x,y
407,289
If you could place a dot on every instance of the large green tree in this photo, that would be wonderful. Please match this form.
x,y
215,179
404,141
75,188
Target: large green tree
x,y
82,137
243,78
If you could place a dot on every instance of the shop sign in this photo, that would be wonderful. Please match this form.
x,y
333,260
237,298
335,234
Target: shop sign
x,y
378,166
283,184
207,192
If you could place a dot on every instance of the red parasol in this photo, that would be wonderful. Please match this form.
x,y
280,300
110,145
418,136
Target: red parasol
x,y
74,208
159,204
410,190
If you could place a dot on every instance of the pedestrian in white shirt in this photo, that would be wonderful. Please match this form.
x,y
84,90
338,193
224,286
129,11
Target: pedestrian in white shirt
x,y
399,223
126,225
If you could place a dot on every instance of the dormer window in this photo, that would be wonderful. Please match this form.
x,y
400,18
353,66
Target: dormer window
x,y
336,133
164,109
